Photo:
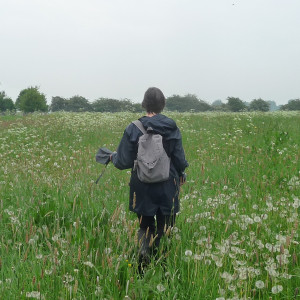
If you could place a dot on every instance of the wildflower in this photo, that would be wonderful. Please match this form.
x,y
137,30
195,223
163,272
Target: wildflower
x,y
177,237
296,203
188,253
259,284
160,287
257,219
89,264
232,287
227,277
286,276
98,291
55,238
107,251
202,228
31,241
33,294
219,264
197,257
277,289
175,229
48,272
68,278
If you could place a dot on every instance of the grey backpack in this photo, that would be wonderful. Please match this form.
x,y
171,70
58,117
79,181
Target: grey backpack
x,y
152,163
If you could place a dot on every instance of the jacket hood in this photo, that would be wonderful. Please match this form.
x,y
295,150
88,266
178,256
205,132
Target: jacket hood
x,y
162,125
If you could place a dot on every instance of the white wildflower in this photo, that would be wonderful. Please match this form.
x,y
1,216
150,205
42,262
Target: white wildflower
x,y
31,241
277,289
188,253
55,238
33,294
259,284
160,287
48,271
107,251
98,291
257,219
296,203
286,276
89,264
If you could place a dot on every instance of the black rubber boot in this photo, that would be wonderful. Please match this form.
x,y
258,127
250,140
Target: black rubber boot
x,y
144,239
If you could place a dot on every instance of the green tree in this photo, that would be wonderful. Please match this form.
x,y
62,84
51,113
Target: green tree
x,y
218,105
30,100
235,104
6,103
58,103
78,104
273,106
137,107
114,105
259,105
293,104
217,102
188,102
106,105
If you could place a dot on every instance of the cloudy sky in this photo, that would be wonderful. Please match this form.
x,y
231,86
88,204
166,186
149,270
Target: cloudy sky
x,y
117,48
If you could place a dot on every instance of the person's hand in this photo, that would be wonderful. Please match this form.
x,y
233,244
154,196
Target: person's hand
x,y
182,179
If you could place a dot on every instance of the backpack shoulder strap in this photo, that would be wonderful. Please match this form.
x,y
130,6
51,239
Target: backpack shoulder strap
x,y
140,126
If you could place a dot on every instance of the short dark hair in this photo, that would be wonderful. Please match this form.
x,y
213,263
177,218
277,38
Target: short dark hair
x,y
154,100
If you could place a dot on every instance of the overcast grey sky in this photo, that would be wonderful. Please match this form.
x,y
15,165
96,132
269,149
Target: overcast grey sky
x,y
117,48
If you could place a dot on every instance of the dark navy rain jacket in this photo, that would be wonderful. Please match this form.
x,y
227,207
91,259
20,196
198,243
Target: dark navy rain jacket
x,y
147,198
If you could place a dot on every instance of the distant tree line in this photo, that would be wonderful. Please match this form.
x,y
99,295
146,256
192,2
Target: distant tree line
x,y
31,99
79,104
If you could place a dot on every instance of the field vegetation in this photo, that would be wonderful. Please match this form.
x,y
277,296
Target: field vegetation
x,y
64,237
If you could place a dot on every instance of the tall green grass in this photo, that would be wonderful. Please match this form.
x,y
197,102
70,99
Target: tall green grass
x,y
64,237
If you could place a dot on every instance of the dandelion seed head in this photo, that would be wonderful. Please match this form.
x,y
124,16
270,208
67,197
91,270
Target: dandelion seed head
x,y
33,294
89,264
107,251
276,289
259,284
160,287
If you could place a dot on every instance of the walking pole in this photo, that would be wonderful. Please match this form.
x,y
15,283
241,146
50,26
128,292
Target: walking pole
x,y
96,182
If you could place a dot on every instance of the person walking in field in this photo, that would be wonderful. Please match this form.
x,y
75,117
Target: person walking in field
x,y
154,184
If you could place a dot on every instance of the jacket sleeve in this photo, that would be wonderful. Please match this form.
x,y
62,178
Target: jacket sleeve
x,y
126,153
178,157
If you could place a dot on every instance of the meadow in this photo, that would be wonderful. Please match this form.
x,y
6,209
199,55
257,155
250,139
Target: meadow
x,y
64,237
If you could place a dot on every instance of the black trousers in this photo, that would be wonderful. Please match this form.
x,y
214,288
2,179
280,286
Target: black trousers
x,y
147,224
